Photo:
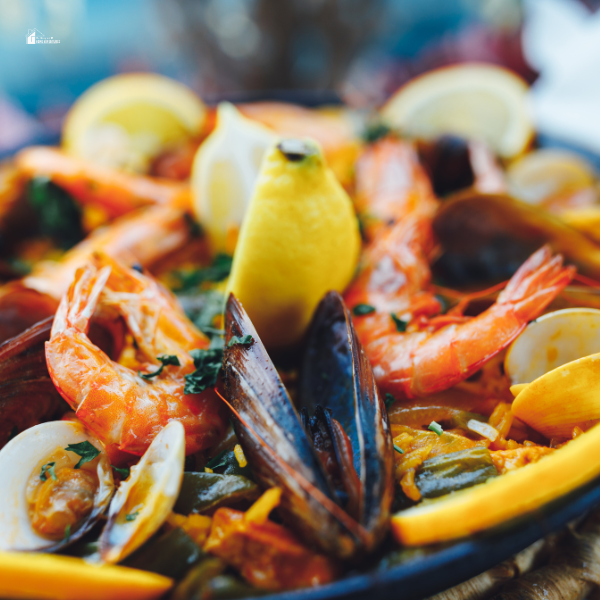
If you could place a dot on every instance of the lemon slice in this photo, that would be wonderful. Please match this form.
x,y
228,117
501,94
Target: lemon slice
x,y
299,240
549,174
53,577
126,120
475,101
225,169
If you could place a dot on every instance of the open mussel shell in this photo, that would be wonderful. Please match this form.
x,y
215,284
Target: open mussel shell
x,y
27,394
145,499
280,451
21,460
551,341
487,237
336,374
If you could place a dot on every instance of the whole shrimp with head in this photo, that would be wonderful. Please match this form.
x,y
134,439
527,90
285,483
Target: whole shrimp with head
x,y
414,350
126,406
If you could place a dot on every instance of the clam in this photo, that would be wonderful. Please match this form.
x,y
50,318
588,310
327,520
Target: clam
x,y
145,499
334,462
488,236
554,366
551,341
48,497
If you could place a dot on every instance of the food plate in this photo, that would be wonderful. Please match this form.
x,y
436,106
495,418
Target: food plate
x,y
424,571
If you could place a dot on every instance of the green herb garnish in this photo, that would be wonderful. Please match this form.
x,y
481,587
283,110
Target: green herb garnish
x,y
375,131
165,360
208,363
132,516
363,309
67,535
398,449
218,461
243,341
217,271
123,473
436,428
48,468
389,400
85,450
59,217
400,324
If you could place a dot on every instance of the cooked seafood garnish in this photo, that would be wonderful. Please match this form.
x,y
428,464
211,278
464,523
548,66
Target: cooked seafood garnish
x,y
488,236
551,341
61,479
145,499
124,407
279,448
27,394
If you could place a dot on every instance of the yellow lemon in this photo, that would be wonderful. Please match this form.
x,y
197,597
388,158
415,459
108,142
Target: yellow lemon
x,y
54,577
126,120
225,170
299,240
474,101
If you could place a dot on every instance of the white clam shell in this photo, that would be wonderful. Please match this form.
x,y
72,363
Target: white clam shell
x,y
551,341
18,459
147,496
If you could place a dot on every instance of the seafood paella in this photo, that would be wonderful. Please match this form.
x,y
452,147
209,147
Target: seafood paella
x,y
256,348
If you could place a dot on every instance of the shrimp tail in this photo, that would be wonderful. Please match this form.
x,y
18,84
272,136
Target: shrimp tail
x,y
535,284
79,303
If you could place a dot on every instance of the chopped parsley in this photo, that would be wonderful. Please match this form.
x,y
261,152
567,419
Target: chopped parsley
x,y
243,341
87,451
59,217
165,360
400,324
208,363
218,461
436,428
375,131
48,468
131,516
363,309
123,473
67,536
398,449
217,271
389,400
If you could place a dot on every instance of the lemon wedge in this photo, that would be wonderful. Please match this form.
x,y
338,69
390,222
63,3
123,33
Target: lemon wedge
x,y
474,101
225,170
54,577
299,240
548,174
126,120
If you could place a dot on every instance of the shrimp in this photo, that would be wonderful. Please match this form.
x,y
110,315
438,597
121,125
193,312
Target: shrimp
x,y
423,362
143,237
395,194
436,352
122,408
91,184
391,184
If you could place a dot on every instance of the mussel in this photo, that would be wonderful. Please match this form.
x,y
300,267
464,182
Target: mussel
x,y
27,394
334,467
486,237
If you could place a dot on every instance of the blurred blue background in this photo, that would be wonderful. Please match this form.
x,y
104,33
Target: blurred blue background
x,y
362,49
